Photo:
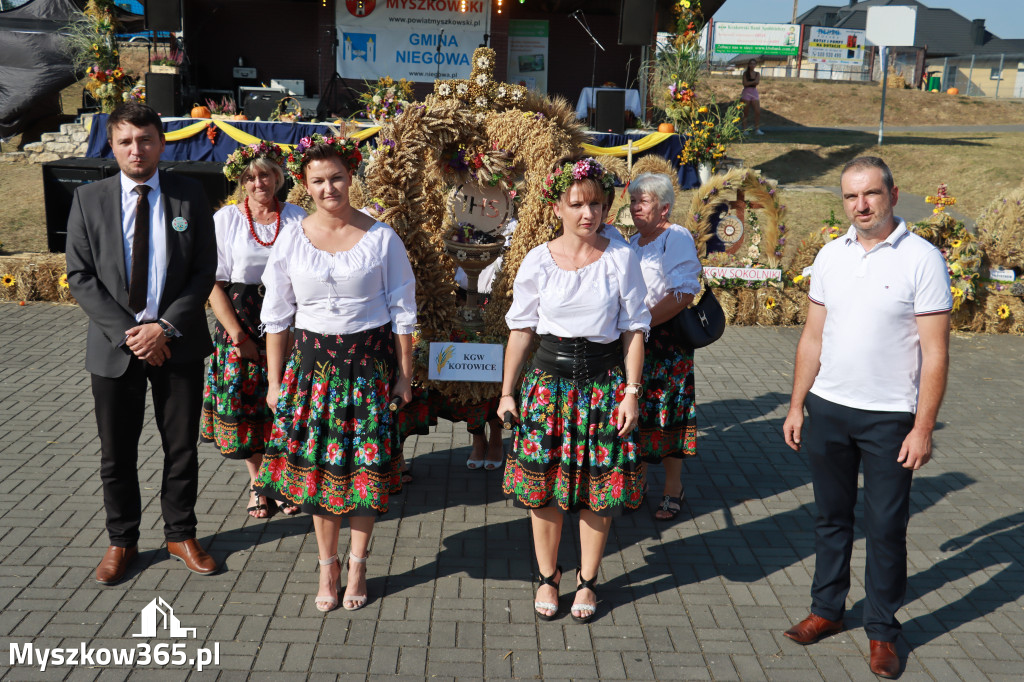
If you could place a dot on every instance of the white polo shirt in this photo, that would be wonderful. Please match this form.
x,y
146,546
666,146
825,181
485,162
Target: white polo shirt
x,y
871,350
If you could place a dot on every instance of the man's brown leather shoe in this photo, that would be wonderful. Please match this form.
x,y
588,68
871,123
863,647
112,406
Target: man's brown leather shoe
x,y
194,556
812,628
115,563
885,662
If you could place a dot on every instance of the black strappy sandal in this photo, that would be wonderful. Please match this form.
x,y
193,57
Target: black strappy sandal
x,y
588,609
546,605
258,507
664,507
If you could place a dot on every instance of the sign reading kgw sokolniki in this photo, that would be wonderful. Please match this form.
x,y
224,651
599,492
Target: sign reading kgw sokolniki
x,y
465,361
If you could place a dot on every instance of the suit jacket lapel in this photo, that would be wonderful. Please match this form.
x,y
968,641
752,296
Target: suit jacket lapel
x,y
111,215
172,209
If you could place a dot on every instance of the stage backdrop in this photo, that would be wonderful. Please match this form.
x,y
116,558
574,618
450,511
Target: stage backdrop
x,y
400,38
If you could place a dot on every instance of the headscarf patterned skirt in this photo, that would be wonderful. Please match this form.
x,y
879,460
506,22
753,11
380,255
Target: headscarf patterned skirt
x,y
427,406
668,408
333,436
235,415
567,453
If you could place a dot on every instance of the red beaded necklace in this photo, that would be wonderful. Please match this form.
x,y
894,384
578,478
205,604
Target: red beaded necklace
x,y
252,228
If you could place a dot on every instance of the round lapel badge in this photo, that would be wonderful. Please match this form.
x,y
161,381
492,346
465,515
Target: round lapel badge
x,y
179,224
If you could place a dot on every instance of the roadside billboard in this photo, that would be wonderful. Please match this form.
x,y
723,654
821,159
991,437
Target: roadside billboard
x,y
766,39
418,40
836,46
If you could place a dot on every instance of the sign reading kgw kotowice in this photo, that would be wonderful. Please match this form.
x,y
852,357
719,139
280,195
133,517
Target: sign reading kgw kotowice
x,y
465,361
775,39
418,40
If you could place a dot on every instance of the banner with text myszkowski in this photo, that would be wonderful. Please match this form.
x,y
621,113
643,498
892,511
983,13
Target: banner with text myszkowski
x,y
418,40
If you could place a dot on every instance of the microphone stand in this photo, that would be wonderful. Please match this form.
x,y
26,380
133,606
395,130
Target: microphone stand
x,y
593,71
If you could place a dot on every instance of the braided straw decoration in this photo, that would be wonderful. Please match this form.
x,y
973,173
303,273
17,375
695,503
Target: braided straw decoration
x,y
713,195
410,179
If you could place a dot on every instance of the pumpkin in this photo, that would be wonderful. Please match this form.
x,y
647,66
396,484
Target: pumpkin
x,y
239,117
953,91
199,111
666,128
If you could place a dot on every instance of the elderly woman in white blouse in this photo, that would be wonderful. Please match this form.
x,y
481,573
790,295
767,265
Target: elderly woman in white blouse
x,y
345,282
671,268
583,295
235,414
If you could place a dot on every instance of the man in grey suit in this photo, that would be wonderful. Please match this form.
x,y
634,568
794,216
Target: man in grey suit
x,y
141,257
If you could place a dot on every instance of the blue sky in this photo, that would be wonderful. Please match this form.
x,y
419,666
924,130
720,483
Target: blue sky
x,y
1004,18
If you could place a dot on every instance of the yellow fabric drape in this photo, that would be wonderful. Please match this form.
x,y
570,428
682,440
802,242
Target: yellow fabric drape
x,y
242,137
641,145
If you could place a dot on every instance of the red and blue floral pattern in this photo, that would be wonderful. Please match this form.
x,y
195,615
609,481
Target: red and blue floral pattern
x,y
567,452
668,409
333,436
235,415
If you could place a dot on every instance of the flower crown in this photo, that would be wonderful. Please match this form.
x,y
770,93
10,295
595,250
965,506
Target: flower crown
x,y
243,156
347,149
557,182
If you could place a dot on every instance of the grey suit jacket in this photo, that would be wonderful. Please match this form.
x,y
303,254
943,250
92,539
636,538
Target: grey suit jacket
x,y
98,281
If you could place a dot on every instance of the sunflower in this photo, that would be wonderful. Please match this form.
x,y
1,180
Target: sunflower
x,y
8,280
769,303
956,243
1003,311
798,279
63,281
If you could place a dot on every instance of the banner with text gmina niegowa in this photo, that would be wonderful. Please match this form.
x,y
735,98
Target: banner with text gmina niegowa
x,y
418,40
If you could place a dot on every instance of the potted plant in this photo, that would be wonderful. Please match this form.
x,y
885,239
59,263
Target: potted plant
x,y
166,62
225,109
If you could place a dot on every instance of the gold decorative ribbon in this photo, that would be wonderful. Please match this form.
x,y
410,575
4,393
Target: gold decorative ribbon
x,y
242,137
641,145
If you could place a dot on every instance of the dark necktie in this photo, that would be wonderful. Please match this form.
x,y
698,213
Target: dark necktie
x,y
139,283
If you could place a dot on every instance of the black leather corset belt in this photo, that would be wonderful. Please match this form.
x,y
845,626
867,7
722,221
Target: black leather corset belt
x,y
576,359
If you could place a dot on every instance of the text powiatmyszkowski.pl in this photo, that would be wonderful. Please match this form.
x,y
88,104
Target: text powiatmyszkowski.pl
x,y
142,654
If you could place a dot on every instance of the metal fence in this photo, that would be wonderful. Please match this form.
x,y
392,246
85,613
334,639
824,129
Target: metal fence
x,y
999,76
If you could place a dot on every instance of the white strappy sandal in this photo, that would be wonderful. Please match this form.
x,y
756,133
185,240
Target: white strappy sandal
x,y
325,604
357,602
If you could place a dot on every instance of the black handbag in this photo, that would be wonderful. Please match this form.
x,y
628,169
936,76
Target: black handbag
x,y
701,325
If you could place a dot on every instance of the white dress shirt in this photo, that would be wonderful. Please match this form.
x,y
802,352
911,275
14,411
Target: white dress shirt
x,y
157,256
669,263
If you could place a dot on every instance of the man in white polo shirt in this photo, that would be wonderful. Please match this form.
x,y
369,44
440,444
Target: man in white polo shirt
x,y
871,371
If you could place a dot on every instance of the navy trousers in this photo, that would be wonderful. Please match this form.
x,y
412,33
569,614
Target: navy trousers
x,y
838,440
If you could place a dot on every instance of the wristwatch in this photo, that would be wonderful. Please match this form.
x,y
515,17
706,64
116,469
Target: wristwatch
x,y
168,329
635,389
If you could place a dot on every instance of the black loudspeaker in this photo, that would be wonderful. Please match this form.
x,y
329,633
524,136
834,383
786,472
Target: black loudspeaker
x,y
260,102
163,15
610,114
60,179
209,174
636,22
163,93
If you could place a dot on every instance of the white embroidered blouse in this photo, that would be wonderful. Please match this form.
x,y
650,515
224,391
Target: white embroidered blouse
x,y
240,259
669,263
597,302
346,292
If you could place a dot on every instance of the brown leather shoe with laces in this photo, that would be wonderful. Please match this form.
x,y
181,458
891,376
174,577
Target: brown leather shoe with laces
x,y
115,563
812,628
194,556
885,662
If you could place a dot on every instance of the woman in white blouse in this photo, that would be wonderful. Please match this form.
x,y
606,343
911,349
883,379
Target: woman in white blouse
x,y
668,258
345,282
583,295
235,414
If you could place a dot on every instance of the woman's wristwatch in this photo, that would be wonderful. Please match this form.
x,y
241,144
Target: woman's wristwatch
x,y
635,389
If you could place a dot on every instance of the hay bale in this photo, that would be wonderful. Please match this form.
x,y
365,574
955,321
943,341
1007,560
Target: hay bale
x,y
36,277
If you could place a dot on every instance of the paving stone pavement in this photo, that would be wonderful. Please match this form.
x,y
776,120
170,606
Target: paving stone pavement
x,y
704,598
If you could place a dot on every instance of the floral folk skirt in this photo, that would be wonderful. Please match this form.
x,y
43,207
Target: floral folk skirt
x,y
668,409
235,415
567,452
331,447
